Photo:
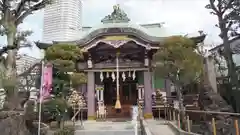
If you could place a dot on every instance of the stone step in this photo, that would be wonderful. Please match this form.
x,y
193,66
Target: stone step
x,y
108,125
107,132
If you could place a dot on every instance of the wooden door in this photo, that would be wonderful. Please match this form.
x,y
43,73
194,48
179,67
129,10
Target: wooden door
x,y
127,93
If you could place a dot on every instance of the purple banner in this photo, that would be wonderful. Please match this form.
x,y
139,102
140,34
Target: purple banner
x,y
47,81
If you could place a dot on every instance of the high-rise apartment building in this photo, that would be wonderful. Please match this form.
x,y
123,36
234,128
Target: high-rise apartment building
x,y
62,20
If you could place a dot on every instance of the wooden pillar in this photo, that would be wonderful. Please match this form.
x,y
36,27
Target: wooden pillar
x,y
147,95
91,95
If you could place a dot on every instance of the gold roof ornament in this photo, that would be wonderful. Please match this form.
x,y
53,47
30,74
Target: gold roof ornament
x,y
117,16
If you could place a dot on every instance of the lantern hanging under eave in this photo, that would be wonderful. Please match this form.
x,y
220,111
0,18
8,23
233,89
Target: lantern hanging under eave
x,y
146,61
89,63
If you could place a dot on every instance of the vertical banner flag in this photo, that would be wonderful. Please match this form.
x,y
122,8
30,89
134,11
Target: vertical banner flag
x,y
47,81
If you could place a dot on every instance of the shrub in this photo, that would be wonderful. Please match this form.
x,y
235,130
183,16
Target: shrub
x,y
65,131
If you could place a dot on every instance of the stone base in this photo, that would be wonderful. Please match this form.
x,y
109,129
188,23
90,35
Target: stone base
x,y
148,116
13,123
91,118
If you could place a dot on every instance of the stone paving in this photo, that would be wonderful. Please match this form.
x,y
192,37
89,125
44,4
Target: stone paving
x,y
105,128
158,127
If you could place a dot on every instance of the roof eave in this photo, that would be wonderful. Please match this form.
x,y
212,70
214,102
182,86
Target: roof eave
x,y
42,45
198,39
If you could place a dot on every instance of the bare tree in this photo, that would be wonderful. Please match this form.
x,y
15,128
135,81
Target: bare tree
x,y
13,13
227,12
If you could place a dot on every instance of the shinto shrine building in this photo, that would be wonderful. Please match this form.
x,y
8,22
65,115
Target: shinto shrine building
x,y
118,48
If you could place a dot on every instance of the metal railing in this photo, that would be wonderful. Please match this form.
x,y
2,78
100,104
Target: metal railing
x,y
195,117
142,127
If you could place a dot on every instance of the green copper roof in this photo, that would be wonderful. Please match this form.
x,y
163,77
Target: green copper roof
x,y
155,29
121,25
118,23
120,28
119,19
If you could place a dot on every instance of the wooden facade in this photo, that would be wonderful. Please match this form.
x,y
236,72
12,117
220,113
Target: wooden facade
x,y
134,60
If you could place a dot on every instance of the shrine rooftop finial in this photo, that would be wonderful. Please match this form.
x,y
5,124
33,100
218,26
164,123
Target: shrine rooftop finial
x,y
117,16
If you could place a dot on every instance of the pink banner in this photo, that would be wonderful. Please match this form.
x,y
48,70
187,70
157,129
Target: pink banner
x,y
47,81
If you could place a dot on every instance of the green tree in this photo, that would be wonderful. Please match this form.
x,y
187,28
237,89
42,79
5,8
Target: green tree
x,y
77,79
178,57
61,84
13,14
57,108
64,58
178,61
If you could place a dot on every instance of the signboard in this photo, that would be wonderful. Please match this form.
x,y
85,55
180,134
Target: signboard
x,y
115,38
134,113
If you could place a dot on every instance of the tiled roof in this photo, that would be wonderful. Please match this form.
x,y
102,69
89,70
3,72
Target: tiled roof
x,y
234,42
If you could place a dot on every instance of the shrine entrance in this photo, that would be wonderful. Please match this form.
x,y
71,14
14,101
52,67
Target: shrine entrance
x,y
128,97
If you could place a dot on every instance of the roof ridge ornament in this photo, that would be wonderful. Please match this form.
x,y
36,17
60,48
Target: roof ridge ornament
x,y
117,16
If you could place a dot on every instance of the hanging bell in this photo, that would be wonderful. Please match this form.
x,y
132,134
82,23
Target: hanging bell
x,y
134,75
123,76
101,76
113,76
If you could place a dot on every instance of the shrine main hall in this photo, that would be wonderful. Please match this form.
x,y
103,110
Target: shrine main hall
x,y
117,62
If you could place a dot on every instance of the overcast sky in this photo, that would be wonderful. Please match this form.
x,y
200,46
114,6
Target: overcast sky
x,y
179,16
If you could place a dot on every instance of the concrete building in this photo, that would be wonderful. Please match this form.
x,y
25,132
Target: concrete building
x,y
24,62
62,20
27,70
213,69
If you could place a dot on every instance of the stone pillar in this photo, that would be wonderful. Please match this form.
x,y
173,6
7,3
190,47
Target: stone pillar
x,y
91,95
211,73
147,95
168,90
83,90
